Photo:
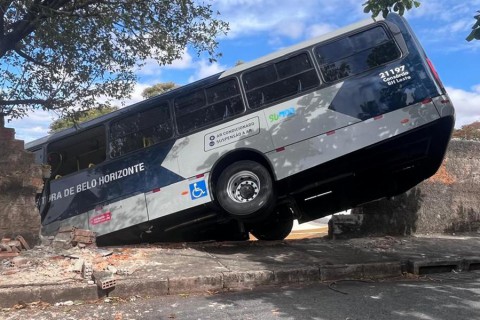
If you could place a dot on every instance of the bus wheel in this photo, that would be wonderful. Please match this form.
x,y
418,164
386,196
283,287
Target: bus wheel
x,y
277,227
245,190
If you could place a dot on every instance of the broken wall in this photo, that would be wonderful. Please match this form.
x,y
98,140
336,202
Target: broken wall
x,y
20,180
447,202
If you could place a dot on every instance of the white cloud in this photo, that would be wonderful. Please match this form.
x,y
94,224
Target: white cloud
x,y
467,105
205,69
184,62
32,127
282,17
290,29
319,29
151,66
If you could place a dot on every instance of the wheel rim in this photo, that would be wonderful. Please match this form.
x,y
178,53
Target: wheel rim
x,y
243,186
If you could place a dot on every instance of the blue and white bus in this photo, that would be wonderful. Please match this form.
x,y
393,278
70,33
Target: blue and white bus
x,y
328,124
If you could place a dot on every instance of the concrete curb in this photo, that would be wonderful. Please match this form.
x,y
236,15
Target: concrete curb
x,y
231,280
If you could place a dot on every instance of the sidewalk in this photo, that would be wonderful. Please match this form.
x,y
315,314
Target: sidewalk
x,y
149,270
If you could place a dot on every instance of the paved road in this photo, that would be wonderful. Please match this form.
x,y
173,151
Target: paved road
x,y
313,229
440,296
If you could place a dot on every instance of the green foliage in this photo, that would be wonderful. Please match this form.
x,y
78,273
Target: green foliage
x,y
475,34
65,54
157,89
468,132
385,6
74,118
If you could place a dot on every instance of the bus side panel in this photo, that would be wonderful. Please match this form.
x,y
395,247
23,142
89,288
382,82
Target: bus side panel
x,y
177,197
107,183
318,150
304,117
198,152
118,215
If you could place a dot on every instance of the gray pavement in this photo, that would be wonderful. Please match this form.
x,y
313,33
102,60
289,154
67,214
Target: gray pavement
x,y
164,269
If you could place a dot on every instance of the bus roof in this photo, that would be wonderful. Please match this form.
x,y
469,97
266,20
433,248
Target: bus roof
x,y
237,69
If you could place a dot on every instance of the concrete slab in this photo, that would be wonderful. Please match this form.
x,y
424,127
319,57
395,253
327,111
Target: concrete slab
x,y
262,256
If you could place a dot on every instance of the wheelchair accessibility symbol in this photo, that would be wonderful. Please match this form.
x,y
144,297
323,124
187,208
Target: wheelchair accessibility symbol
x,y
198,189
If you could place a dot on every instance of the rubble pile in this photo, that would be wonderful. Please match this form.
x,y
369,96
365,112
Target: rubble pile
x,y
68,237
70,256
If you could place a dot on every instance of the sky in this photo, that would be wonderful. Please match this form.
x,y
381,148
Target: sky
x,y
260,27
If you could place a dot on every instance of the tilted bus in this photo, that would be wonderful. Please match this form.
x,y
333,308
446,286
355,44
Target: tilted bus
x,y
328,124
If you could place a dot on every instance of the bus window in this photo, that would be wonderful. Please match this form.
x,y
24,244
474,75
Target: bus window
x,y
355,54
140,130
77,152
280,80
207,106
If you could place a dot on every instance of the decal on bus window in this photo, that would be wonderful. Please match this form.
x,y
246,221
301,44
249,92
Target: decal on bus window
x,y
231,134
395,75
198,189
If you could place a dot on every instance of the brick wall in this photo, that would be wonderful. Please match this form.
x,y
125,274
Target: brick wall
x,y
447,202
20,180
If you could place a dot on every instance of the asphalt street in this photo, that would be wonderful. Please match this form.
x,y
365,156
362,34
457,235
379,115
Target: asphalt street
x,y
439,296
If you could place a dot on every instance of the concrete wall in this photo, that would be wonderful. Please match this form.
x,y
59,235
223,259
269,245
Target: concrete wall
x,y
20,180
447,202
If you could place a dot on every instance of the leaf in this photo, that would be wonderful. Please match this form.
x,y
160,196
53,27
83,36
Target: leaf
x,y
477,34
473,35
385,13
401,9
408,4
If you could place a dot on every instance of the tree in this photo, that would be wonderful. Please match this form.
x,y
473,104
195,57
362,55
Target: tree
x,y
468,132
385,6
79,117
65,54
475,34
158,88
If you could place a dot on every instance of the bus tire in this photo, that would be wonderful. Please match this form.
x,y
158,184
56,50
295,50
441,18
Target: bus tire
x,y
277,227
245,190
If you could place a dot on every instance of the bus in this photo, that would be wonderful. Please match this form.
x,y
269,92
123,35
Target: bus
x,y
346,118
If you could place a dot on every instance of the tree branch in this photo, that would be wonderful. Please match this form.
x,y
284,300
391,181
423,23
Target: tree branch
x,y
28,58
27,24
3,8
42,102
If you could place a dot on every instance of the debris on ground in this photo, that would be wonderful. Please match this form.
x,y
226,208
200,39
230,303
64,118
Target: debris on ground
x,y
12,248
68,237
70,256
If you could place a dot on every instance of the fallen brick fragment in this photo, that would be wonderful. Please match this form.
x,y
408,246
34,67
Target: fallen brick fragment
x,y
23,242
5,254
106,283
68,237
87,270
104,279
78,266
18,262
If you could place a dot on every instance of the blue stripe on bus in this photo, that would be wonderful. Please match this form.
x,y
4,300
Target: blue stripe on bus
x,y
136,173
